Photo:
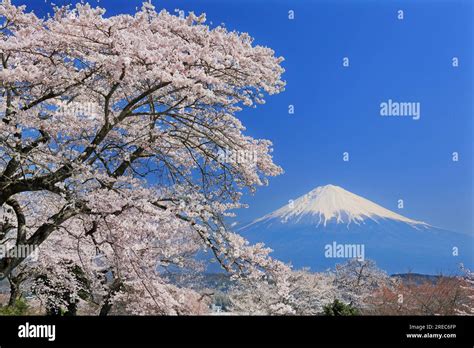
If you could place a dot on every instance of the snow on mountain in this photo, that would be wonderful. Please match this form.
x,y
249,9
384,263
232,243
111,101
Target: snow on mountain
x,y
330,202
300,232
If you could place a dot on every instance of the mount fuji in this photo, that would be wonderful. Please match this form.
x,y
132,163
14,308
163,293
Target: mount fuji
x,y
322,227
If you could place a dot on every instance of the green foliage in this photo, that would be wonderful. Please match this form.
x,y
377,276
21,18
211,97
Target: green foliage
x,y
338,308
19,308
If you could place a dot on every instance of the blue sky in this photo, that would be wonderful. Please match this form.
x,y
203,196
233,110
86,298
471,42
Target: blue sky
x,y
337,109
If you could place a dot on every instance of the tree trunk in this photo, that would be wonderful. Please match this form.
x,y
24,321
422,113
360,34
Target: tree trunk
x,y
107,305
14,292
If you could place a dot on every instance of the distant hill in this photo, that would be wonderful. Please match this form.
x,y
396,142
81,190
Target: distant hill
x,y
418,278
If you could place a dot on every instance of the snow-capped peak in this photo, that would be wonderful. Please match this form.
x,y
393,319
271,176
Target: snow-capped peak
x,y
333,202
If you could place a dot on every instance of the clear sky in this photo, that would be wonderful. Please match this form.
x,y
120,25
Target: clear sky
x,y
337,109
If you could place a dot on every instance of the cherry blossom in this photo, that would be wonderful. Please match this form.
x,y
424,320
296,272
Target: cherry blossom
x,y
110,134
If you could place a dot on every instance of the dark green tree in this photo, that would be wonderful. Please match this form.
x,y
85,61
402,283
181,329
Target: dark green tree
x,y
338,308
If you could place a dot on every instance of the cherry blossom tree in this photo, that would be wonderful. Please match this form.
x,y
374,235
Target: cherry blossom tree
x,y
467,307
442,295
300,292
111,139
356,280
287,293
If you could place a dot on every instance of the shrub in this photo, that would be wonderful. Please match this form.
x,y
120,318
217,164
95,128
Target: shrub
x,y
19,308
338,308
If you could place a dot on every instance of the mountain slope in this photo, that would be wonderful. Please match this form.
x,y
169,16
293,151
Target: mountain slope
x,y
301,231
329,202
